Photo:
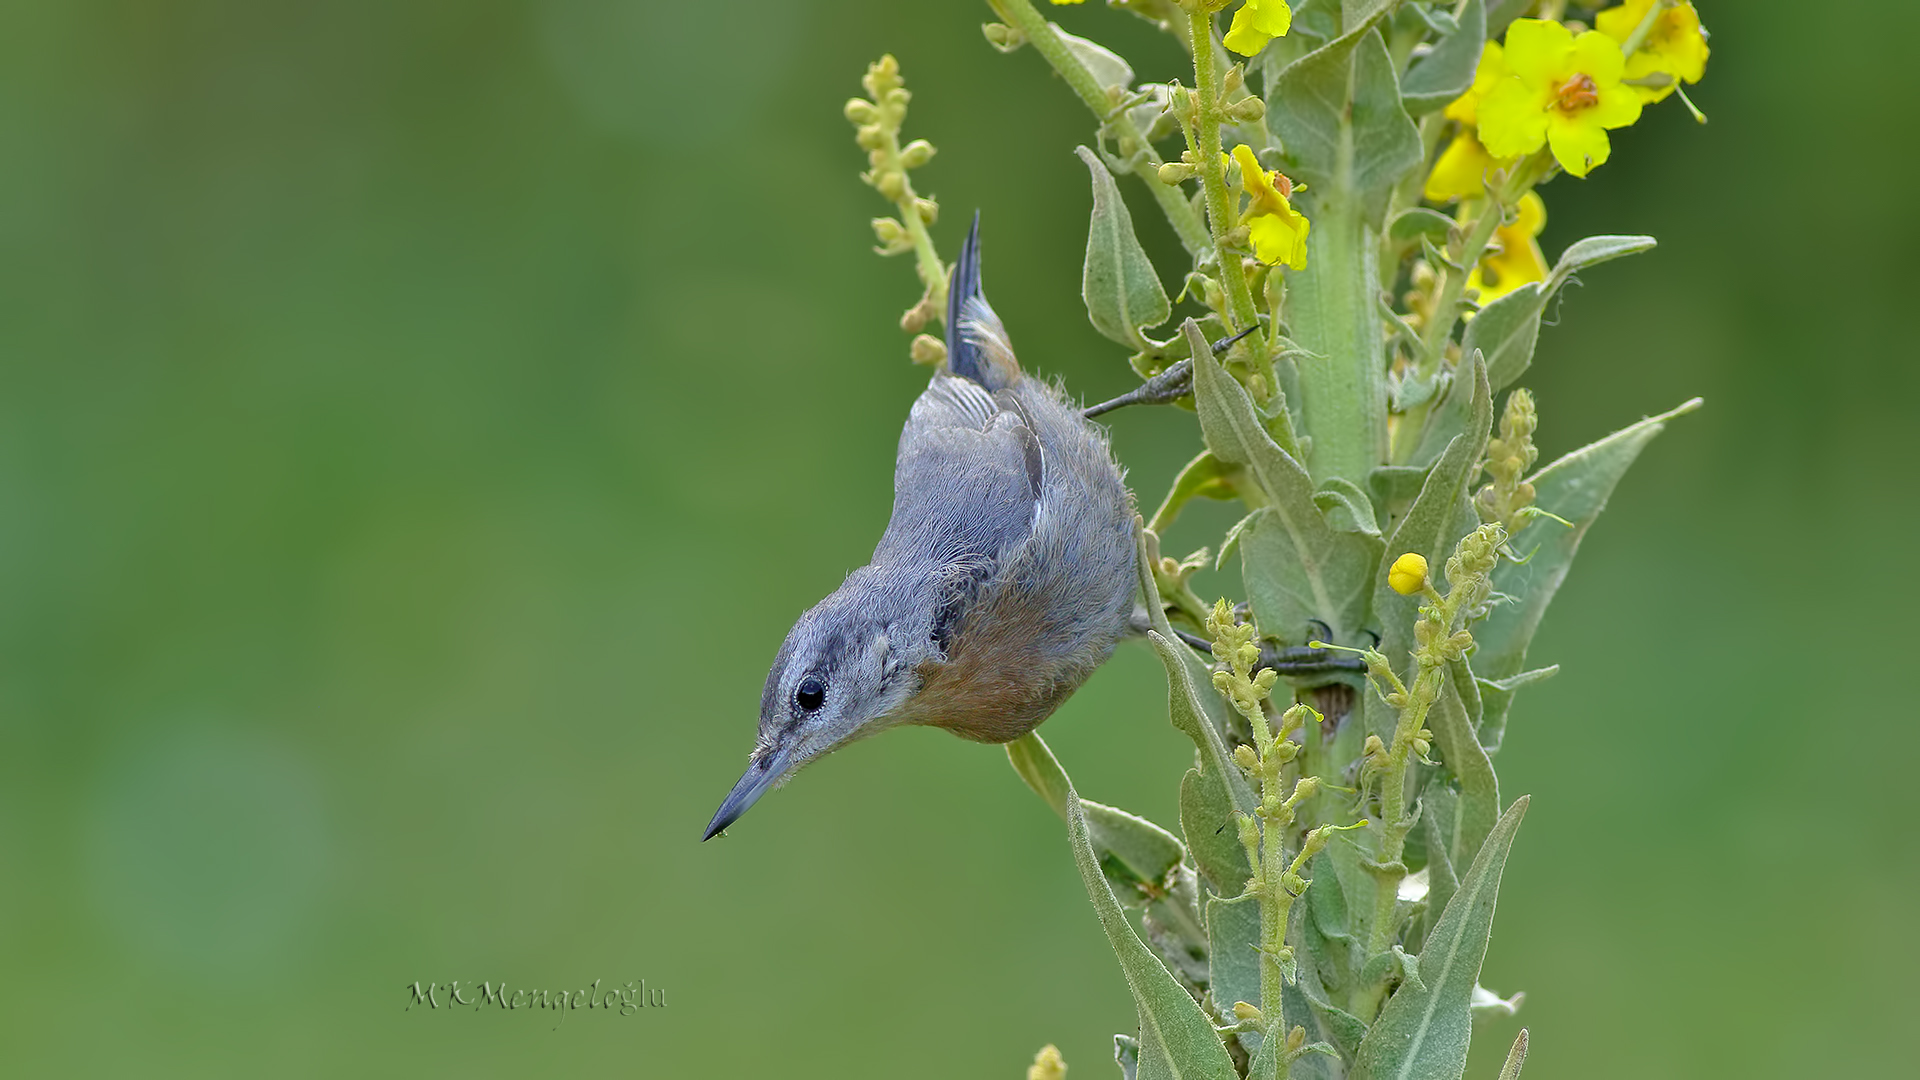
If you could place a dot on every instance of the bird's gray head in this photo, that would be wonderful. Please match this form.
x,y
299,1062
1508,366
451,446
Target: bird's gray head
x,y
845,671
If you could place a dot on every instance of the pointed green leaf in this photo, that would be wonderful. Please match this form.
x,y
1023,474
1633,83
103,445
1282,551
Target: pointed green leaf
x,y
1205,476
1347,508
1233,937
1507,330
1394,487
1176,1038
1147,852
1338,113
1575,487
1516,1057
1593,251
1107,67
1034,761
1297,566
1422,1033
1447,71
1184,704
1411,227
1460,751
1439,806
1122,292
1430,527
1502,12
1207,819
1496,696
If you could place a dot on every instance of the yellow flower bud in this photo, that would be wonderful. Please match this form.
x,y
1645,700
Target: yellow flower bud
x,y
1047,1064
1247,110
928,350
861,111
916,153
1408,575
1003,37
870,137
1244,1011
1174,172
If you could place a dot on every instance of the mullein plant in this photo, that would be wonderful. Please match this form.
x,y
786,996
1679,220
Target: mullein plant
x,y
1358,186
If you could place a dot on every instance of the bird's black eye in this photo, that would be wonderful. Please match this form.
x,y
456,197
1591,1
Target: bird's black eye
x,y
811,694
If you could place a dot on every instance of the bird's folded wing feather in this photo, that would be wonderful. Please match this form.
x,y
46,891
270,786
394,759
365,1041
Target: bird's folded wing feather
x,y
967,480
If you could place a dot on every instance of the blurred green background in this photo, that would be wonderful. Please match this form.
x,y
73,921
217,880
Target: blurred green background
x,y
420,423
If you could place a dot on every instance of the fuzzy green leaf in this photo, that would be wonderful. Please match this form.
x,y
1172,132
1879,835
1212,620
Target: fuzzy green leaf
x,y
1593,251
1502,12
1496,696
1431,527
1516,1057
1233,937
1176,1038
1134,852
1034,761
1507,330
1423,1031
1460,751
1206,817
1447,71
1205,476
1145,851
1107,67
1122,292
1184,704
1297,566
1410,227
1348,509
1576,487
1338,113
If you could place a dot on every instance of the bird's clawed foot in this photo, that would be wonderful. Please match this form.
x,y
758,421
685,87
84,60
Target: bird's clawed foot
x,y
1165,388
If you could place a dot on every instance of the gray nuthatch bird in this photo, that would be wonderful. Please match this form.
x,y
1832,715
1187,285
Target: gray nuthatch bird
x,y
1005,576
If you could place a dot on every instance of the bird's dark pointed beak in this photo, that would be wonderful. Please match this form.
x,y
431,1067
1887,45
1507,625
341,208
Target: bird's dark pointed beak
x,y
760,776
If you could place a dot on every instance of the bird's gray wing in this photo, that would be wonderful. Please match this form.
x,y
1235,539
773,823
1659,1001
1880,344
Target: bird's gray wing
x,y
967,479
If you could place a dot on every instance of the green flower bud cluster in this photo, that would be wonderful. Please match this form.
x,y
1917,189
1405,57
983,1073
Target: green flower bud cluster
x,y
877,120
1508,459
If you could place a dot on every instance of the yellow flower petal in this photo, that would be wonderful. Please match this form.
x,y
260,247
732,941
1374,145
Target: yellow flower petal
x,y
1256,23
1461,171
1513,119
1492,69
1516,259
1537,50
1598,57
1578,147
1279,239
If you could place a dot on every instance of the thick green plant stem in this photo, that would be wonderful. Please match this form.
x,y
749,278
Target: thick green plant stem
x,y
1333,310
1213,171
1186,223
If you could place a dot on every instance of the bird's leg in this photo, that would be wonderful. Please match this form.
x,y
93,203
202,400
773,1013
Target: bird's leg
x,y
1169,386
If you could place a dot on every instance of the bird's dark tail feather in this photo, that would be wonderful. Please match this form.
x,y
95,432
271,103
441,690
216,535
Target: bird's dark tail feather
x,y
964,354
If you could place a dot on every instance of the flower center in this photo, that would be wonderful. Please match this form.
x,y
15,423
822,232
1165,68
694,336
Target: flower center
x,y
1577,93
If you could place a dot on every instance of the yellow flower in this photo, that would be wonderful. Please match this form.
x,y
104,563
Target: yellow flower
x,y
1560,91
1676,46
1407,575
1517,260
1493,67
1278,231
1256,23
1461,172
